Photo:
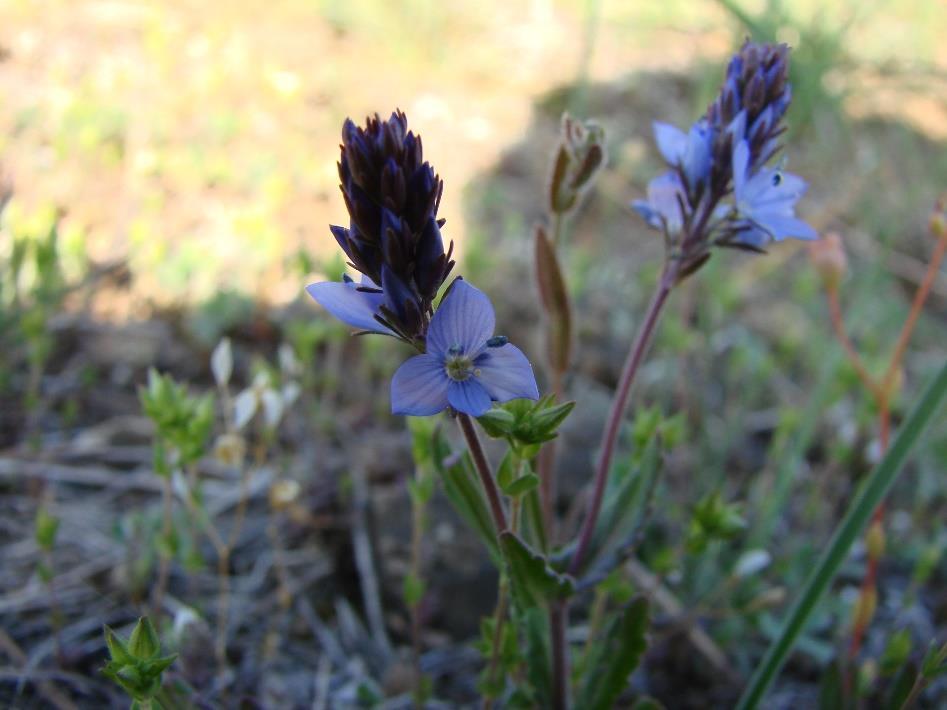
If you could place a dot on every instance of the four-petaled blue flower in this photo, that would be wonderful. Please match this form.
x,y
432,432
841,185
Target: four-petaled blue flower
x,y
766,199
353,304
464,366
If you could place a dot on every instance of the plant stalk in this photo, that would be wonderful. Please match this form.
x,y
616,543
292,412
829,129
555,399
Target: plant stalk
x,y
616,414
483,469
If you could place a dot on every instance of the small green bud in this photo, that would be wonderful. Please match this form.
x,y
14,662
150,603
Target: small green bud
x,y
143,643
46,528
117,648
412,589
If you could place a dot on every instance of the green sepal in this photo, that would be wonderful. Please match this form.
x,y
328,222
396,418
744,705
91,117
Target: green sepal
x,y
143,644
117,649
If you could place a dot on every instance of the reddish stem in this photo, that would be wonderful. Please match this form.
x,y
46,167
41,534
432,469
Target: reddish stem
x,y
616,414
483,469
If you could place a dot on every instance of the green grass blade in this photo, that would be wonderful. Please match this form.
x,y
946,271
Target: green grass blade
x,y
852,525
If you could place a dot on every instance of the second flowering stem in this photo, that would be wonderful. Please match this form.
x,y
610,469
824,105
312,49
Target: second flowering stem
x,y
639,348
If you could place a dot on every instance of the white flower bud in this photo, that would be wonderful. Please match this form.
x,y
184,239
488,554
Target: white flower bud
x,y
221,362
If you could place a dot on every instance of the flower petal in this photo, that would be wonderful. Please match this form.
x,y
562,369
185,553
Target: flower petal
x,y
419,387
464,320
469,397
741,162
782,226
665,194
348,304
672,142
506,374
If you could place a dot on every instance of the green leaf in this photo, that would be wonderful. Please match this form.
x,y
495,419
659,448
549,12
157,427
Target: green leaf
x,y
896,653
626,505
534,528
533,581
614,656
463,491
508,470
46,528
412,589
901,687
849,529
538,656
522,485
935,661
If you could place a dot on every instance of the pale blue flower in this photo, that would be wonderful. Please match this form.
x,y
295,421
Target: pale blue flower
x,y
766,200
464,366
662,209
353,304
691,151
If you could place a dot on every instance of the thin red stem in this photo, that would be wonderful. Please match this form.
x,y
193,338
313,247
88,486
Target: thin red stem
x,y
483,469
838,325
616,414
547,471
919,298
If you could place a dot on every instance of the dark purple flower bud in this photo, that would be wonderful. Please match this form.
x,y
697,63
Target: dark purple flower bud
x,y
394,239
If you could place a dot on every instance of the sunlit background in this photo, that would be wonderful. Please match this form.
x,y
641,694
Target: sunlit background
x,y
188,149
199,140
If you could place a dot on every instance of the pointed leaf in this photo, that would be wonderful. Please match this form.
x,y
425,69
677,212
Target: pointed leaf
x,y
533,580
613,657
463,490
522,485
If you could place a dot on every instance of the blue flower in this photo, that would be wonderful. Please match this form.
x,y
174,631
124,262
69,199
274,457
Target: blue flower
x,y
662,209
767,199
690,152
353,304
464,367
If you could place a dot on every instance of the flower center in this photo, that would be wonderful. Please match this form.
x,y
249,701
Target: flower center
x,y
457,365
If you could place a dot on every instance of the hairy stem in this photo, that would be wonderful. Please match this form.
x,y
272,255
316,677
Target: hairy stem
x,y
558,623
417,531
838,326
616,414
164,565
483,470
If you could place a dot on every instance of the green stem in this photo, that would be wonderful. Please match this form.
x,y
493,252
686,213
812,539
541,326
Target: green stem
x,y
856,518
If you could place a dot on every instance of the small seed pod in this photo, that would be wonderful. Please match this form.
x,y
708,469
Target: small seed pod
x,y
875,540
865,608
828,258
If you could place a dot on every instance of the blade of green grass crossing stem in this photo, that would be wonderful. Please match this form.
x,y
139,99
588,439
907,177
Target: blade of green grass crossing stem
x,y
852,525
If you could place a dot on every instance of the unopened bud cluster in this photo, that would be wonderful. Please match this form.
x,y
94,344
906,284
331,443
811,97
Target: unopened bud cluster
x,y
580,155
